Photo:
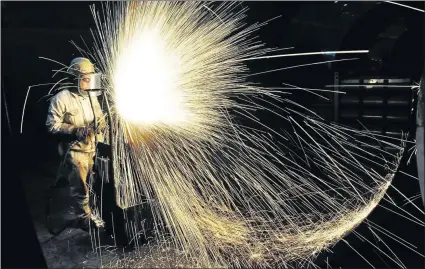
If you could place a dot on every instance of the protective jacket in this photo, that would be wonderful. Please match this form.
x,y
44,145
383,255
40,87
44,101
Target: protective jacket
x,y
67,112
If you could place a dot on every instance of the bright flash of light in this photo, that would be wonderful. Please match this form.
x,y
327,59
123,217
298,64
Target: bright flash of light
x,y
225,188
145,80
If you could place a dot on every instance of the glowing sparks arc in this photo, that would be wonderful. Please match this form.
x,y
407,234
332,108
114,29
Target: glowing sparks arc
x,y
222,191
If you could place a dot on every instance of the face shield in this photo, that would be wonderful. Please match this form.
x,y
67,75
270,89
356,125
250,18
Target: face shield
x,y
91,83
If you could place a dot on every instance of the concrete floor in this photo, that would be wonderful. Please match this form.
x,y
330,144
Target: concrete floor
x,y
70,249
75,248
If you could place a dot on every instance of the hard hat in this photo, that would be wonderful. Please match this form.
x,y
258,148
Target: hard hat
x,y
80,65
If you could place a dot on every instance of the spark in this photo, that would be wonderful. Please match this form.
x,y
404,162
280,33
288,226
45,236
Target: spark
x,y
178,81
310,89
223,192
309,54
302,65
348,244
395,3
28,92
372,85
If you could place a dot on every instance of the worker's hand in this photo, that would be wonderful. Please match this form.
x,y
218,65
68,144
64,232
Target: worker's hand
x,y
101,126
101,122
82,132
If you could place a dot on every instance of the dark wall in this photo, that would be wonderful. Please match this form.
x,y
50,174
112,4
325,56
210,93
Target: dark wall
x,y
31,30
22,68
394,36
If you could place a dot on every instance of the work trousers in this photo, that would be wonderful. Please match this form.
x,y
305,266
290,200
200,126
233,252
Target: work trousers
x,y
77,168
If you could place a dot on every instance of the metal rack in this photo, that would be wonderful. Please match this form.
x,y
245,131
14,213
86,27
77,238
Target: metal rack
x,y
384,106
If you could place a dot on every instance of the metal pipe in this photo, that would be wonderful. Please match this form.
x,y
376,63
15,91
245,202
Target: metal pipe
x,y
95,120
336,98
6,108
420,137
111,138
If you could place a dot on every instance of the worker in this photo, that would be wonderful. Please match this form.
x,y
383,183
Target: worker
x,y
71,115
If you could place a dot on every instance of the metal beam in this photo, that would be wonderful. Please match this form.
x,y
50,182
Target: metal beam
x,y
420,137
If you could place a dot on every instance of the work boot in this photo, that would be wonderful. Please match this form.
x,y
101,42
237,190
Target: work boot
x,y
86,223
98,222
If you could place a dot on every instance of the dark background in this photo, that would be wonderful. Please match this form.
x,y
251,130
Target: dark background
x,y
393,34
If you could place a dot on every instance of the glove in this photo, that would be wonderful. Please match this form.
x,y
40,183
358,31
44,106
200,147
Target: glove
x,y
82,132
101,126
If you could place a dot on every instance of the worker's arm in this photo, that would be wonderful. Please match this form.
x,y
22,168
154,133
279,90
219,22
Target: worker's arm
x,y
55,116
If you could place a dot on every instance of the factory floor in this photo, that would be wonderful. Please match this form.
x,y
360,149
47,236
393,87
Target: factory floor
x,y
73,247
